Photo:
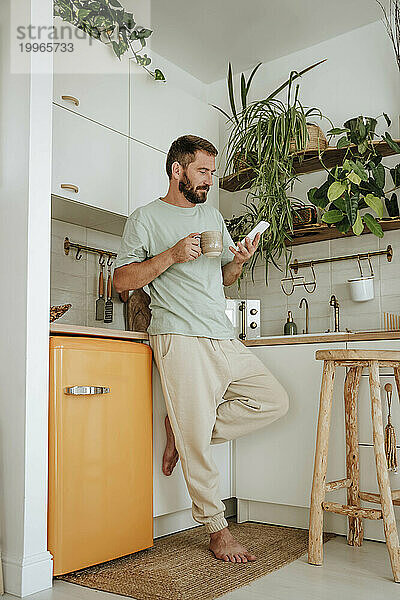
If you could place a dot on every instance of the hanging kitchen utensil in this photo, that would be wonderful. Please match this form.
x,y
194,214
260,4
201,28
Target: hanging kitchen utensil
x,y
362,288
124,297
108,308
295,283
100,302
390,434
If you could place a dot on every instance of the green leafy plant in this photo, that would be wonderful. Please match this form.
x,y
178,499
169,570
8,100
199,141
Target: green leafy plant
x,y
356,187
261,136
109,22
244,92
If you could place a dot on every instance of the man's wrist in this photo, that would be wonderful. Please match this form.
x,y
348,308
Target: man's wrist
x,y
170,257
237,262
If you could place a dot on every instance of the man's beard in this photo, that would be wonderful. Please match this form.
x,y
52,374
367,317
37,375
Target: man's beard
x,y
194,195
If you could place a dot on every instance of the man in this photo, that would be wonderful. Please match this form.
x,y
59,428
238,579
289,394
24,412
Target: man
x,y
215,388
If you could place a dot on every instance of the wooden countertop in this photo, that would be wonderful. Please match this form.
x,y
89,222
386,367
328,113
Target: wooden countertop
x,y
120,334
319,338
311,338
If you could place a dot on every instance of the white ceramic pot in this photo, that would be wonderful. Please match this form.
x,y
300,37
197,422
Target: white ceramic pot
x,y
361,288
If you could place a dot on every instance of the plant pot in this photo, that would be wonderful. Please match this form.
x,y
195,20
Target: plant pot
x,y
316,140
392,206
361,288
369,122
239,162
306,215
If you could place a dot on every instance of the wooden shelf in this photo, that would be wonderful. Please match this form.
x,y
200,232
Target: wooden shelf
x,y
310,163
320,232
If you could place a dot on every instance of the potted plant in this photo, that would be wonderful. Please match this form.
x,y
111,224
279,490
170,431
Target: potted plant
x,y
262,134
356,187
109,22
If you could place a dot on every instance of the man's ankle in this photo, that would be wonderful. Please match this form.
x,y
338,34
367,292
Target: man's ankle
x,y
219,533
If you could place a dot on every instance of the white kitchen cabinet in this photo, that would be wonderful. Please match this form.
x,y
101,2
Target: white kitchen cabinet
x,y
373,530
148,179
92,76
92,159
170,492
275,464
368,480
161,112
364,399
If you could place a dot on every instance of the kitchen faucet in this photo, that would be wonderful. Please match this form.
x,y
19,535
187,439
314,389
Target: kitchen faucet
x,y
307,312
333,302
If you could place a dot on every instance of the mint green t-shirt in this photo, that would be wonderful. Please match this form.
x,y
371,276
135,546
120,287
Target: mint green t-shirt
x,y
187,298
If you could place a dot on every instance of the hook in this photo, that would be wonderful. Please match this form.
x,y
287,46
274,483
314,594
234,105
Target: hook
x,y
312,283
292,281
283,287
109,260
359,266
370,266
78,254
102,260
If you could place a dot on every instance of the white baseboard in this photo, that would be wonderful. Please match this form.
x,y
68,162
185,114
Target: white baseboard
x,y
291,516
182,519
297,516
28,575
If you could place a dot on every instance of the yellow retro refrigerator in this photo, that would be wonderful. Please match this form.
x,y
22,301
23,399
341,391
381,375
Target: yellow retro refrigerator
x,y
100,450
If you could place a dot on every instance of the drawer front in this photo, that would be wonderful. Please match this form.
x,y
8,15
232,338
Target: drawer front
x,y
364,399
92,81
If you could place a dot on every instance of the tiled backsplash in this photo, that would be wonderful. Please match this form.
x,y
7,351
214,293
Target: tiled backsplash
x,y
76,281
331,279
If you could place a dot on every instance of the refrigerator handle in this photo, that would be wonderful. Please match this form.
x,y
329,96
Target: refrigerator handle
x,y
79,390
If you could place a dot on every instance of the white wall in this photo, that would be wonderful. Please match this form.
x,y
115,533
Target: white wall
x,y
25,151
359,77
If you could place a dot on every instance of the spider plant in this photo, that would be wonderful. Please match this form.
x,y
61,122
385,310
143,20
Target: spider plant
x,y
391,21
263,133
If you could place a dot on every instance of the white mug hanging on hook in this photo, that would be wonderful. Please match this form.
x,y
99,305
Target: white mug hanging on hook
x,y
362,288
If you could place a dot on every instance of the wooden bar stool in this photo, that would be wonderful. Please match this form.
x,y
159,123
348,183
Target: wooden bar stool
x,y
355,360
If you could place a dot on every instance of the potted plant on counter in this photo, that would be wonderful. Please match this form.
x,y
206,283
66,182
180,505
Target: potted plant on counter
x,y
356,187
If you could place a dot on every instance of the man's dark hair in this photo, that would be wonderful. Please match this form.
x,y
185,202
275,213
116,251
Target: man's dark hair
x,y
183,150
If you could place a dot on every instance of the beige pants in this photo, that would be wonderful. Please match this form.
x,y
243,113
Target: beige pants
x,y
214,391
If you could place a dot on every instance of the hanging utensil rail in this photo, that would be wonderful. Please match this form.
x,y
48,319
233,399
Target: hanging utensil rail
x,y
295,265
68,245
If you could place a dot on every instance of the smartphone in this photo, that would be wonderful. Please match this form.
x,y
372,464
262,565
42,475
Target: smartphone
x,y
259,228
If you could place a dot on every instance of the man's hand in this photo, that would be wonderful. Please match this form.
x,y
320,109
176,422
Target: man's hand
x,y
188,248
232,270
245,252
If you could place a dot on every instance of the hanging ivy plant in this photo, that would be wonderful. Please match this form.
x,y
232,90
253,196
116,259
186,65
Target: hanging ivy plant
x,y
109,22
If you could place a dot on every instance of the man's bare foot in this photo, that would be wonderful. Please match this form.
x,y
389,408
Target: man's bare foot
x,y
171,455
225,547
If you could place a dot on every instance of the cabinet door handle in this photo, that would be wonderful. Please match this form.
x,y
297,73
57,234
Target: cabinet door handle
x,y
70,186
242,308
72,99
81,390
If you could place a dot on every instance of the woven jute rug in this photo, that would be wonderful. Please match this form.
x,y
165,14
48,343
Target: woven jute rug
x,y
181,567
